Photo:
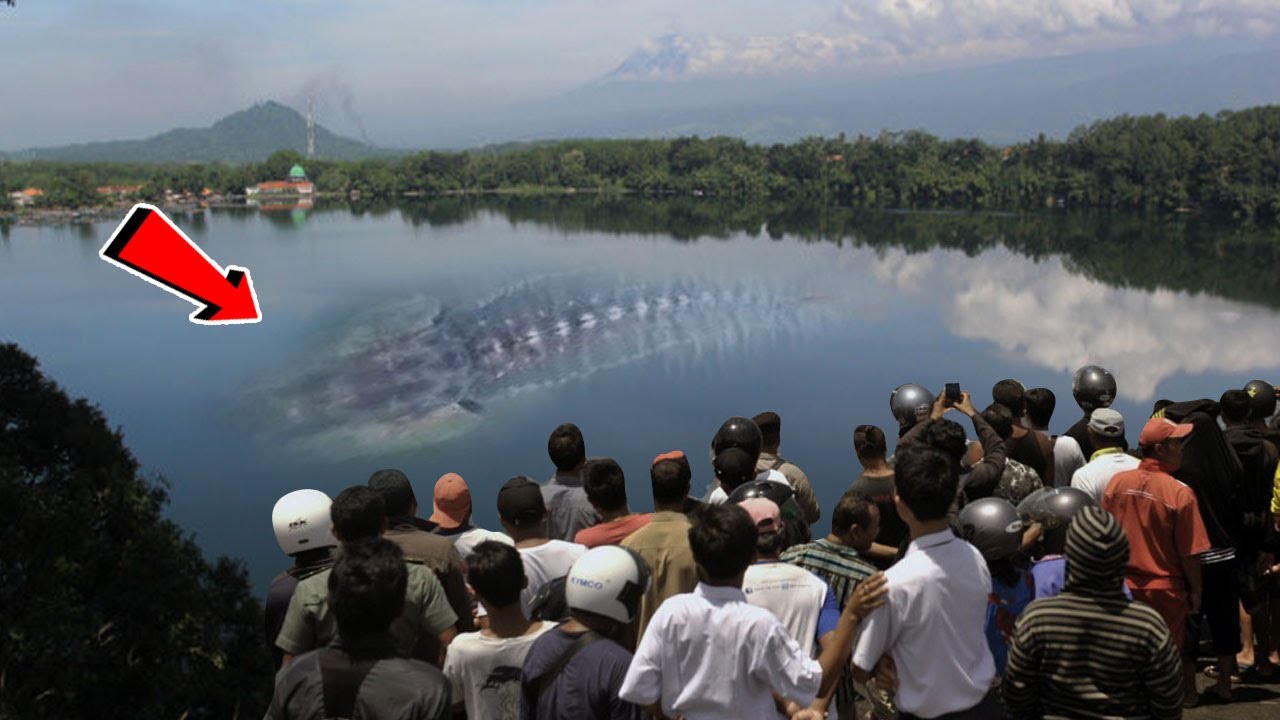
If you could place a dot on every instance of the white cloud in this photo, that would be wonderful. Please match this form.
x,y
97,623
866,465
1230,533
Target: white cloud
x,y
1043,314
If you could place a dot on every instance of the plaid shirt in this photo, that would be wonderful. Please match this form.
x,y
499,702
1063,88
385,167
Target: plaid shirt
x,y
843,568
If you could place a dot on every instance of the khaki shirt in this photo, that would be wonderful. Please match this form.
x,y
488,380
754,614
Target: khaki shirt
x,y
664,545
805,498
309,622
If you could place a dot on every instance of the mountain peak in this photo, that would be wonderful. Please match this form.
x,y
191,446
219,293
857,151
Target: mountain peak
x,y
663,58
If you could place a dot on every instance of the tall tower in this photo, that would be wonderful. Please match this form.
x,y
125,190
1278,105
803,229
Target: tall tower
x,y
311,129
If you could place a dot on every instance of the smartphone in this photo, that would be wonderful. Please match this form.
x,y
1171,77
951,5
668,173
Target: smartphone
x,y
952,393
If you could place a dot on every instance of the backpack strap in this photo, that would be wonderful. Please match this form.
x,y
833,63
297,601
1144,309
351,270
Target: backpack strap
x,y
777,464
341,678
546,679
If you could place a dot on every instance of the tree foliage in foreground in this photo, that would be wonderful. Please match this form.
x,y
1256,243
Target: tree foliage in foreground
x,y
1227,163
109,609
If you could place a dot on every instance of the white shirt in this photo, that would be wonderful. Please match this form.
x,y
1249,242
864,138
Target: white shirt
x,y
794,595
933,627
1094,477
485,672
546,562
465,542
1067,459
710,654
718,496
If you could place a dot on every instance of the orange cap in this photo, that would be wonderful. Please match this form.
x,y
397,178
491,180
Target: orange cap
x,y
452,501
673,455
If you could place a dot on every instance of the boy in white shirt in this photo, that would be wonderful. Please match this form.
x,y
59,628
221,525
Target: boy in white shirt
x,y
711,654
523,514
484,667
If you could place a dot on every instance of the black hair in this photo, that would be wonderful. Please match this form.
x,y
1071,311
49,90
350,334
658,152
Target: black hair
x,y
1040,405
358,513
734,467
1236,406
770,428
671,478
1011,394
566,447
771,544
396,491
869,442
853,508
367,586
926,480
723,540
947,436
1000,418
496,572
604,483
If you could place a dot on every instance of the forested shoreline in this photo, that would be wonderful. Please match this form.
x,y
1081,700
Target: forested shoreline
x,y
1225,164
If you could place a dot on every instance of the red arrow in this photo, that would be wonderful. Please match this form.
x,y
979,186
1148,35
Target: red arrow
x,y
150,246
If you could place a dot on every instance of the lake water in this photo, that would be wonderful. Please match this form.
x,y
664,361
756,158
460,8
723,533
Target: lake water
x,y
454,335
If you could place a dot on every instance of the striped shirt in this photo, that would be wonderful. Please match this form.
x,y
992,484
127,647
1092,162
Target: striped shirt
x,y
1087,656
843,568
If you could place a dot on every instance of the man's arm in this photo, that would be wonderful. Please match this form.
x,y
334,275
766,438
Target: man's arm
x,y
1161,678
983,477
869,595
297,632
1021,686
1191,571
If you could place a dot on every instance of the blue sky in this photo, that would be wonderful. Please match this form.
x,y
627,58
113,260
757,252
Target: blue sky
x,y
77,70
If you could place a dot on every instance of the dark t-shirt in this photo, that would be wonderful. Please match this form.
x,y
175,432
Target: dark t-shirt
x,y
1027,450
880,489
586,688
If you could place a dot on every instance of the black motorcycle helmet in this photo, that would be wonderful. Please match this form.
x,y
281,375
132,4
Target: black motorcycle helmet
x,y
1262,398
910,403
1093,388
738,432
1054,508
775,491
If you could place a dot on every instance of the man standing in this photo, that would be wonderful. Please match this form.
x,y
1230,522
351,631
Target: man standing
x,y
362,673
838,560
421,546
563,495
524,517
358,513
1161,520
1089,651
1106,433
664,542
933,622
606,489
978,480
876,482
770,425
451,514
301,522
1025,446
1067,456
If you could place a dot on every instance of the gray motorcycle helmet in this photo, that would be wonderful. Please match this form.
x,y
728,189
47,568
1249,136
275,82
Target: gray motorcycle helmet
x,y
910,403
992,525
1053,508
1093,387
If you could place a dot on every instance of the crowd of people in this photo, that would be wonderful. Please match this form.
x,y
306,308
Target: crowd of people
x,y
1024,575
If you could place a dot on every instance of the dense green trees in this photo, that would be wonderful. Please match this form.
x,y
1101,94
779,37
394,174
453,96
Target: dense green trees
x,y
1228,163
109,609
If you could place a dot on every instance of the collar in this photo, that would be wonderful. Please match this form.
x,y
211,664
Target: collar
x,y
1106,451
450,532
409,522
1153,465
568,479
379,645
719,593
668,516
924,542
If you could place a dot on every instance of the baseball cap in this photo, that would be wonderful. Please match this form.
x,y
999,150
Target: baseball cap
x,y
768,422
764,513
1157,430
677,455
520,501
452,500
1107,422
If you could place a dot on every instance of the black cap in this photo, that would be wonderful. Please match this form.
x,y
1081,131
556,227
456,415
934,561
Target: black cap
x,y
520,501
770,423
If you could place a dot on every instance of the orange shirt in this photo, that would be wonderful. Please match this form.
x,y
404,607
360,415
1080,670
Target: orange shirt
x,y
1161,518
611,532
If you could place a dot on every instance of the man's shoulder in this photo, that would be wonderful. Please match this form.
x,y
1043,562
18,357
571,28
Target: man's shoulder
x,y
315,586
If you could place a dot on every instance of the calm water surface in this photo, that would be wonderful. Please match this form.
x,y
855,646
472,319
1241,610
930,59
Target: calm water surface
x,y
453,336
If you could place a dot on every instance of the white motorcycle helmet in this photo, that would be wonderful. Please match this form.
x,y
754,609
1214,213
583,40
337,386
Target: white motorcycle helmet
x,y
608,581
301,521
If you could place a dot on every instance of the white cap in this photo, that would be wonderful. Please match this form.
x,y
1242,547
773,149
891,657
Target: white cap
x,y
301,521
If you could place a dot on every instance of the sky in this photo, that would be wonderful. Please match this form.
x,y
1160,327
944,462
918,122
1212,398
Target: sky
x,y
81,70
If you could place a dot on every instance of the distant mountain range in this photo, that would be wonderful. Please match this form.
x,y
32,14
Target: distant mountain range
x,y
657,91
247,136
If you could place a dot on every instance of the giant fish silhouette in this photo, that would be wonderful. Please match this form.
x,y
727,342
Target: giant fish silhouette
x,y
414,370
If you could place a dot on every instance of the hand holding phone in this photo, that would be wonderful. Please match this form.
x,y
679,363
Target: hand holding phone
x,y
952,394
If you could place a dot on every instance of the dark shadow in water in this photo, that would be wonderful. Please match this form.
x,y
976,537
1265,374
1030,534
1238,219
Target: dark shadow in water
x,y
1196,253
